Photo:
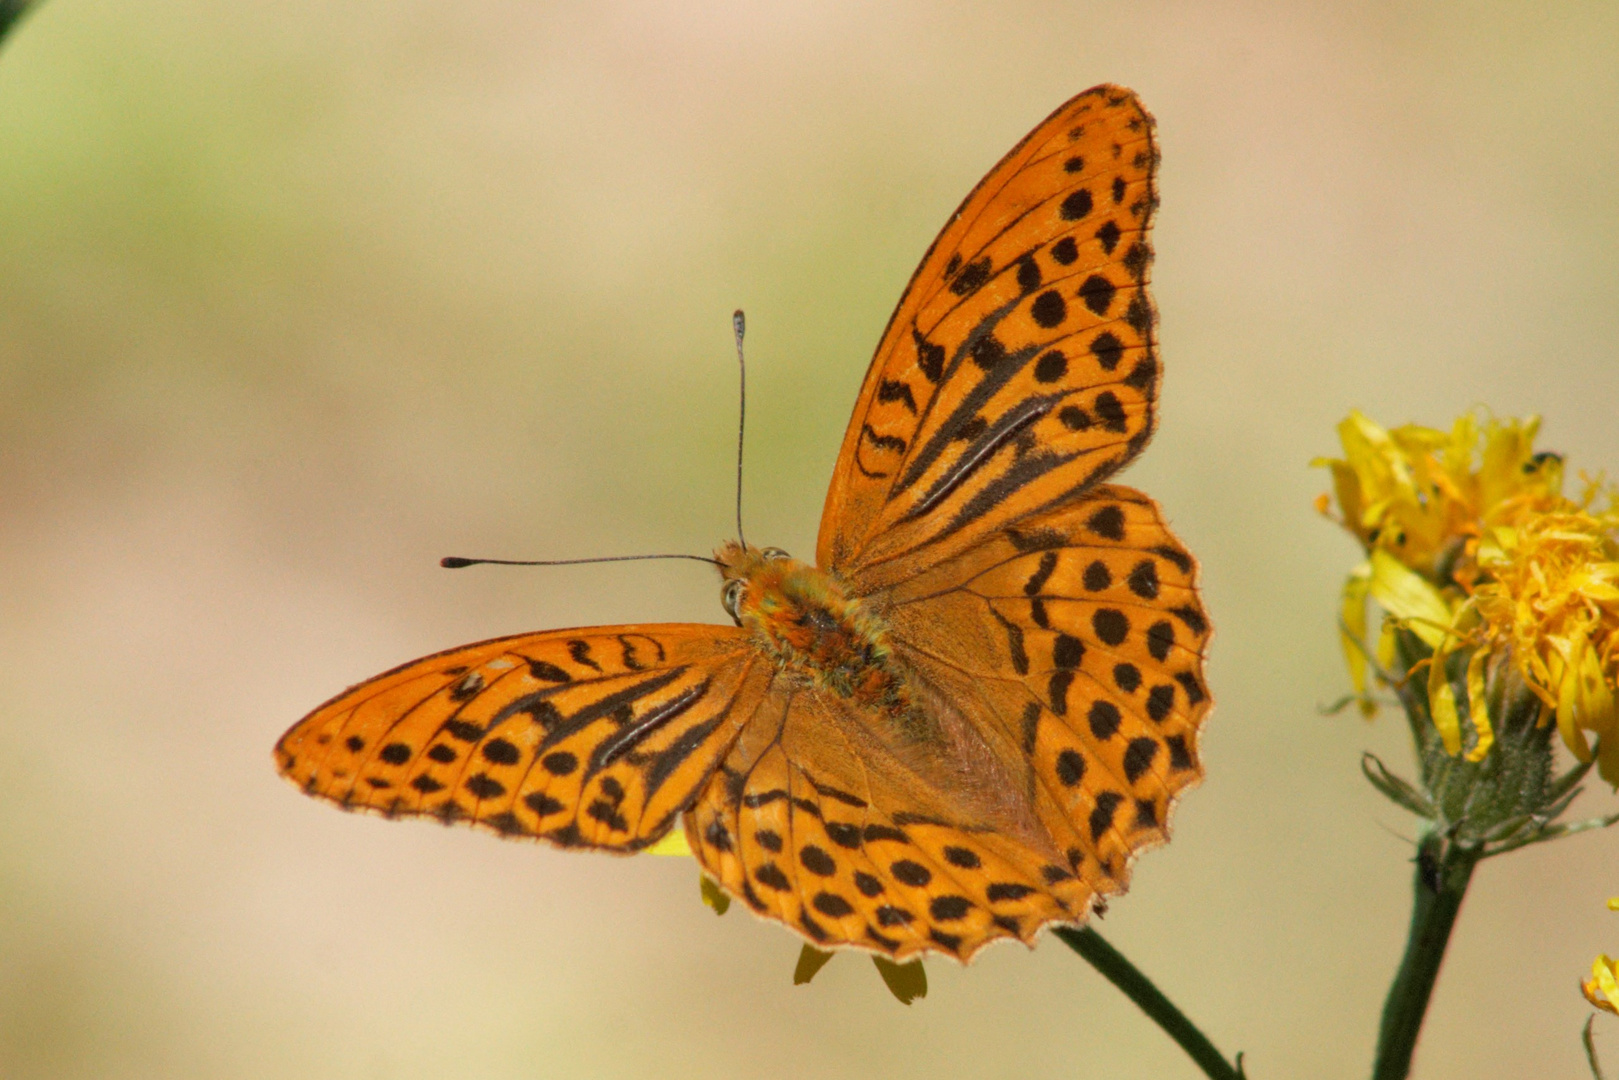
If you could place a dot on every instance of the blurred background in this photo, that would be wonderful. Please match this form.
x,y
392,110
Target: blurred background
x,y
296,298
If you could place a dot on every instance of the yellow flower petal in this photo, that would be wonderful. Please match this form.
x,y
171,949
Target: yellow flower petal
x,y
1352,634
1409,597
1477,710
673,843
1442,703
1602,989
1565,679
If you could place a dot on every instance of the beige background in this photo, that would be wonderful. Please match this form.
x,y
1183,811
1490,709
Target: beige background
x,y
297,297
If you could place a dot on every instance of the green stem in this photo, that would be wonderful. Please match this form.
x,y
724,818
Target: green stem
x,y
10,12
1591,1048
1139,989
1442,875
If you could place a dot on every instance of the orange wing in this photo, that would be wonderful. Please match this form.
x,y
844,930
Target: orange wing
x,y
816,820
1019,369
593,738
1077,644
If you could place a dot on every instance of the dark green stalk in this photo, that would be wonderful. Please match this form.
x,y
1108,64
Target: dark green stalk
x,y
10,12
1139,989
1442,875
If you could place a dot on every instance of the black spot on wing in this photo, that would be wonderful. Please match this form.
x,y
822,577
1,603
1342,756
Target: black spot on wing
x,y
971,277
1107,804
1139,314
1138,757
1107,522
1182,561
580,651
1051,366
1042,574
1191,617
498,752
1189,683
1137,259
897,390
1108,234
1108,350
890,443
1097,292
929,357
1076,205
1028,274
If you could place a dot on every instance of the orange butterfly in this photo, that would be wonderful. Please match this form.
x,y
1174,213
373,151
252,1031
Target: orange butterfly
x,y
982,701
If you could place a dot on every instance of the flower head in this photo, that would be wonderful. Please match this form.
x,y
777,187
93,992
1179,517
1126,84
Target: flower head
x,y
1475,552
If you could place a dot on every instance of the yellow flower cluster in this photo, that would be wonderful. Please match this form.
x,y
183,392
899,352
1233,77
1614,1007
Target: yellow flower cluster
x,y
1474,549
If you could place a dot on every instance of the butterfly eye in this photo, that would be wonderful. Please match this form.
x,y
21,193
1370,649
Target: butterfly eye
x,y
774,553
732,598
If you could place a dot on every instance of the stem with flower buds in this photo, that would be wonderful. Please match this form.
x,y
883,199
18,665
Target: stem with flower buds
x,y
1442,875
1138,988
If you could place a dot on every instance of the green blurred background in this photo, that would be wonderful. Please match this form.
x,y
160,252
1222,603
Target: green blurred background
x,y
297,297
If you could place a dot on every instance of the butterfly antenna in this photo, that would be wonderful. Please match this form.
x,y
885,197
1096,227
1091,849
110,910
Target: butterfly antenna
x,y
456,562
739,323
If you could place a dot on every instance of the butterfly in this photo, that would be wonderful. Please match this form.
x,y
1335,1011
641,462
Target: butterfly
x,y
982,700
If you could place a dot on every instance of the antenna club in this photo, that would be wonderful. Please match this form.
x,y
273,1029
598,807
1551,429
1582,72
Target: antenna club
x,y
454,562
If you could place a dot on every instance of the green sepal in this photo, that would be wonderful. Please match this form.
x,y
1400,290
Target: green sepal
x,y
810,961
714,896
907,982
1397,789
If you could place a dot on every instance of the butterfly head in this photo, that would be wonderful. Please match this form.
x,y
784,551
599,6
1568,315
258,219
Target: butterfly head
x,y
749,574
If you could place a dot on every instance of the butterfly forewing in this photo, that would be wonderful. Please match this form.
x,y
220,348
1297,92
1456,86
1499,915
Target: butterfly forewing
x,y
1080,636
1019,367
592,737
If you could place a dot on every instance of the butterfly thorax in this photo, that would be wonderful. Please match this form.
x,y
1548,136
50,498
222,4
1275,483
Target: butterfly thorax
x,y
803,618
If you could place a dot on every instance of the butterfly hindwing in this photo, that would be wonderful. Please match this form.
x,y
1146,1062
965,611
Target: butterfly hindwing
x,y
1019,367
811,821
592,738
1080,636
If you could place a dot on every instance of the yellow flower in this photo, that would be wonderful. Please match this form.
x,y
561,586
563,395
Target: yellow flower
x,y
1602,988
1415,495
1473,548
